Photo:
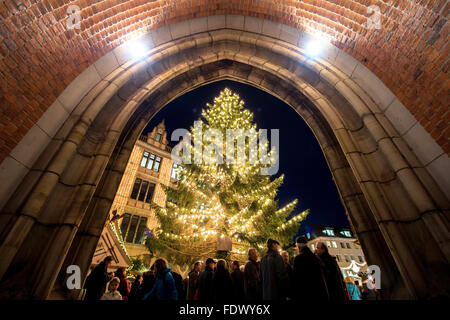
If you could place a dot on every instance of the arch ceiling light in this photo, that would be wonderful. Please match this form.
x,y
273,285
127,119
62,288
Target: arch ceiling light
x,y
136,48
314,48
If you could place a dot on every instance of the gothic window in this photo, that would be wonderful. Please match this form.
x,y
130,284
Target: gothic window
x,y
151,190
133,228
140,231
144,187
134,192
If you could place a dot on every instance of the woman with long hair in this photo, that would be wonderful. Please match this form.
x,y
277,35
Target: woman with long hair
x,y
222,283
164,287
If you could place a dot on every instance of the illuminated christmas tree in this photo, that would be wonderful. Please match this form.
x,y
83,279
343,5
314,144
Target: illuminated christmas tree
x,y
222,194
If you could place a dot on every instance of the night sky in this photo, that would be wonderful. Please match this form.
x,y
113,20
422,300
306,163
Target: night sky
x,y
307,176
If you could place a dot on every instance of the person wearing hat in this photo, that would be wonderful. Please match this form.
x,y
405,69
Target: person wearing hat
x,y
205,283
273,275
309,281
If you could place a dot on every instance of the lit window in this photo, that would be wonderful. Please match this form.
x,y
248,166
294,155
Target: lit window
x,y
157,163
346,233
328,244
158,137
328,232
150,162
144,159
334,244
176,171
312,247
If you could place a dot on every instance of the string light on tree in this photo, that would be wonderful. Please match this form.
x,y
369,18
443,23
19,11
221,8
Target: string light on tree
x,y
229,199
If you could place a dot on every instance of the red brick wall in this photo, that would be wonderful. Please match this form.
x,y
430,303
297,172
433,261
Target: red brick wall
x,y
39,56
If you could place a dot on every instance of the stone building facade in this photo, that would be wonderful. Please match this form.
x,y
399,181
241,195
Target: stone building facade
x,y
149,167
341,244
109,245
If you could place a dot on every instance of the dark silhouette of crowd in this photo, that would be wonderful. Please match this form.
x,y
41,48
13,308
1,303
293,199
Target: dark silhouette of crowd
x,y
313,276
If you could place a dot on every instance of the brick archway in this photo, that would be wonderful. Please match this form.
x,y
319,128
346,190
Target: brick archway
x,y
393,204
40,54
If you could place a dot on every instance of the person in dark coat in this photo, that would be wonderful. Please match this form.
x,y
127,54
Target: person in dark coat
x,y
273,275
135,287
252,287
192,280
333,275
222,283
289,270
179,285
164,287
368,292
205,282
147,283
125,285
238,281
96,281
309,281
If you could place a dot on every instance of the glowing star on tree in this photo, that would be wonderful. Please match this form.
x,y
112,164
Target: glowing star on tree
x,y
228,199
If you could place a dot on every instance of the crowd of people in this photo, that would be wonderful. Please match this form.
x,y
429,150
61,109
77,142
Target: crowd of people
x,y
312,276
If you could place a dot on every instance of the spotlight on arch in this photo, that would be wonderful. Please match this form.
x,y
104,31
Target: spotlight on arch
x,y
137,49
314,47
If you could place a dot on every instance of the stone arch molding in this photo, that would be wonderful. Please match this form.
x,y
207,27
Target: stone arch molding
x,y
388,170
